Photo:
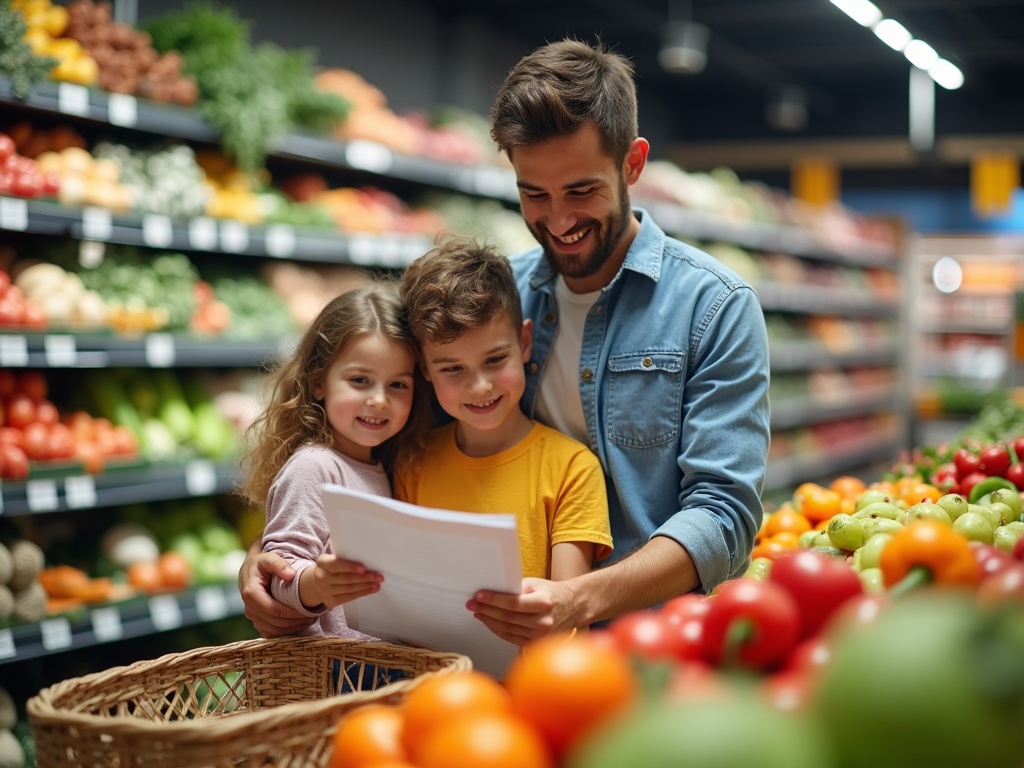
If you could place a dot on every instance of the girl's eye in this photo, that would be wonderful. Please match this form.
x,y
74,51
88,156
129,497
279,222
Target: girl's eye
x,y
358,380
399,385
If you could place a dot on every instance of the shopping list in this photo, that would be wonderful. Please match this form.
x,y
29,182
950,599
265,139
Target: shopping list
x,y
433,561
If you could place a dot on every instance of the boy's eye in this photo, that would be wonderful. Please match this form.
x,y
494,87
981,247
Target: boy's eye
x,y
496,359
451,369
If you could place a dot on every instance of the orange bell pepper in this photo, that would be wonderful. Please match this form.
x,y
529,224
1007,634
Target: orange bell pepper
x,y
927,551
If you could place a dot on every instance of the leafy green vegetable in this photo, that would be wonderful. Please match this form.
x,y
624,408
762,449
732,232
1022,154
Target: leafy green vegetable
x,y
16,58
253,96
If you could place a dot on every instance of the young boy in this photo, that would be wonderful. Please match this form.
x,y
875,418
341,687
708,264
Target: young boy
x,y
464,311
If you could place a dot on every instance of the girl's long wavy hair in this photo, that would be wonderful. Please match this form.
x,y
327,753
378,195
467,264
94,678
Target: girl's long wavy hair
x,y
293,416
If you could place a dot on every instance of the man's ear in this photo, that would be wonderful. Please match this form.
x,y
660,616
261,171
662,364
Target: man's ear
x,y
635,160
526,340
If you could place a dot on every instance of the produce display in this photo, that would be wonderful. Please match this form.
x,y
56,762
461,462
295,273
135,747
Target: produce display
x,y
47,31
22,176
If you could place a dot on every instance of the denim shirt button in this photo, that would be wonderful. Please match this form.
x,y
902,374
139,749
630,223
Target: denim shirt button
x,y
533,367
597,310
549,317
648,362
587,374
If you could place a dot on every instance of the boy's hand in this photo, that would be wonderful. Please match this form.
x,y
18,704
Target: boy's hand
x,y
270,617
542,608
339,581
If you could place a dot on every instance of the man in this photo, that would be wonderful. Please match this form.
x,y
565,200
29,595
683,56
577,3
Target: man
x,y
645,349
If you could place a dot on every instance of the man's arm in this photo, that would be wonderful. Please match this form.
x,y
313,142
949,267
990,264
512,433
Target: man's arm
x,y
658,571
270,617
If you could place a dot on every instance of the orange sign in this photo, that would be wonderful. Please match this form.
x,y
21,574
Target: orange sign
x,y
815,180
994,176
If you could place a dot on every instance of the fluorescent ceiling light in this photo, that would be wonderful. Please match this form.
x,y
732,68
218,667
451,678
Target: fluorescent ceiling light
x,y
946,74
920,54
893,34
864,12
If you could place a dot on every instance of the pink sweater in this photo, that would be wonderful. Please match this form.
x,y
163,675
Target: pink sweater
x,y
297,529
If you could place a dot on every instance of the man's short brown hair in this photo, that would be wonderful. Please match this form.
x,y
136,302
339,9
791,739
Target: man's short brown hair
x,y
553,91
459,285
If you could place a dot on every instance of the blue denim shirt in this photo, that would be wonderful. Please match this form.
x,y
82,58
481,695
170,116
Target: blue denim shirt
x,y
674,384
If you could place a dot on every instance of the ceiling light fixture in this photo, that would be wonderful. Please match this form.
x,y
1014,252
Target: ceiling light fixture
x,y
946,74
684,47
920,54
893,34
864,12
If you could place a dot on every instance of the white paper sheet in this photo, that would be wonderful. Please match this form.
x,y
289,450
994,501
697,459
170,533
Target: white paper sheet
x,y
433,561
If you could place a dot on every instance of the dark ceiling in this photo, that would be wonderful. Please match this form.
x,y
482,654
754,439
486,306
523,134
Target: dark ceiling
x,y
857,86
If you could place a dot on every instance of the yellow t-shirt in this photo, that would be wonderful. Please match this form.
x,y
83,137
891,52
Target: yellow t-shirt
x,y
551,483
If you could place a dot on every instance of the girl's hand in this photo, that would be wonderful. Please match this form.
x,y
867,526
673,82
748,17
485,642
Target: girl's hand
x,y
334,582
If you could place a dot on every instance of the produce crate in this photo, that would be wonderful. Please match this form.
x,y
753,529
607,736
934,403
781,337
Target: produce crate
x,y
251,703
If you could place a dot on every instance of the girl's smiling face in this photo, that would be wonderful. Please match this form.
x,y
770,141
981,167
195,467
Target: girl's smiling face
x,y
367,394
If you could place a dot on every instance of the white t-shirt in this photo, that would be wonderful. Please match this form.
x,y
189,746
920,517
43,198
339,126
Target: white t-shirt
x,y
558,395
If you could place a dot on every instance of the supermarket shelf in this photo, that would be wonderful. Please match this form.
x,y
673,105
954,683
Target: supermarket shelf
x,y
818,300
808,355
133,618
787,415
994,328
766,237
281,241
155,350
782,473
114,487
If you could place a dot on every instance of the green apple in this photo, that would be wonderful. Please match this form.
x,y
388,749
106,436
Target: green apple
x,y
974,527
1009,498
879,509
1005,538
871,496
954,504
1006,515
760,568
992,515
872,550
846,532
871,580
877,525
804,542
926,510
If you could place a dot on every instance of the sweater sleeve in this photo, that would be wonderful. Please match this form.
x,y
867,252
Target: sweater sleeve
x,y
296,526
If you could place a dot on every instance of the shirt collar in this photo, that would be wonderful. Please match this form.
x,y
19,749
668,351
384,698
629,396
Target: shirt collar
x,y
644,254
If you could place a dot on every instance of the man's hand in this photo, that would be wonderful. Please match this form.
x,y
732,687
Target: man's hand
x,y
335,582
542,608
270,617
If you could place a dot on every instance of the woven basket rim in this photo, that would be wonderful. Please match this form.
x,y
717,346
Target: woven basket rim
x,y
42,710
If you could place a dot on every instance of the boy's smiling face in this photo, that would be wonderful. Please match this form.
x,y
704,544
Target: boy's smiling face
x,y
479,378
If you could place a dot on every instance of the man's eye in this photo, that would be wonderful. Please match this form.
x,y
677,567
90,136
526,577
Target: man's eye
x,y
581,192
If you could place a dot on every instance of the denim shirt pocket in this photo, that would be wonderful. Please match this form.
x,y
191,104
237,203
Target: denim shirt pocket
x,y
645,397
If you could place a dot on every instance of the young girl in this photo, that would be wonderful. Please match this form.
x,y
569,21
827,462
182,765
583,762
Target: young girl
x,y
341,410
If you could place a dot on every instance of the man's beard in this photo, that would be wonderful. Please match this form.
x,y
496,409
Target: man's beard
x,y
609,234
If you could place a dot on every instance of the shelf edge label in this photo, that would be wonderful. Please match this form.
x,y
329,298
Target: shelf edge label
x,y
160,351
122,109
14,213
60,350
73,99
13,350
7,649
234,236
106,624
157,230
202,233
280,240
96,223
42,495
369,156
165,612
56,633
80,492
200,478
211,604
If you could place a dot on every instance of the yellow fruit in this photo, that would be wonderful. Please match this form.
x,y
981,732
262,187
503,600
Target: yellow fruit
x,y
55,20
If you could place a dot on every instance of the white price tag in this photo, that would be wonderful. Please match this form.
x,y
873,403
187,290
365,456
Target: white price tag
x,y
106,624
122,109
362,249
200,478
160,351
165,612
369,156
13,213
56,633
496,182
91,253
390,253
73,99
13,351
96,223
60,350
7,649
280,240
80,492
210,603
202,233
234,236
157,230
42,495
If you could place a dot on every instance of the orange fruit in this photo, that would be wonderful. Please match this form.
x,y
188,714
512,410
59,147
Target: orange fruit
x,y
802,492
786,520
769,549
368,736
787,539
564,688
848,487
448,698
145,576
918,492
484,741
821,504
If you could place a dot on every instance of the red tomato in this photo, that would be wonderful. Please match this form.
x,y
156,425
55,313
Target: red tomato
x,y
46,413
12,307
1005,585
968,483
966,462
946,478
21,411
6,146
769,630
124,441
5,282
1018,548
62,442
789,690
33,314
991,560
51,183
12,436
1015,474
27,184
647,634
15,462
686,614
811,656
1018,448
8,382
33,384
90,456
858,611
994,460
818,584
37,442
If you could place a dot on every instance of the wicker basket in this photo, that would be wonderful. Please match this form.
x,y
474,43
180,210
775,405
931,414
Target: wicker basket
x,y
253,703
